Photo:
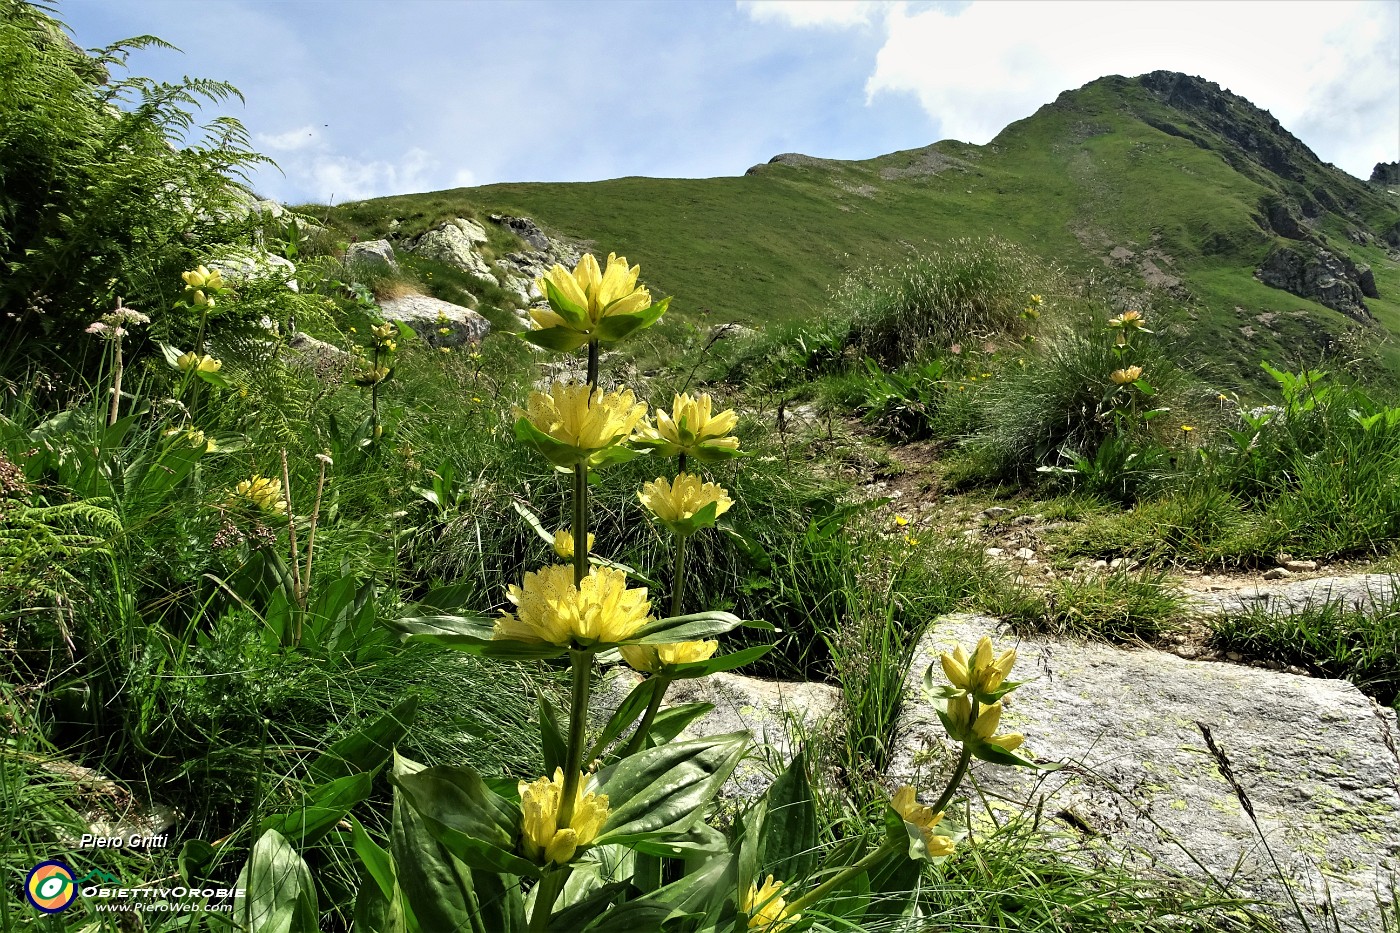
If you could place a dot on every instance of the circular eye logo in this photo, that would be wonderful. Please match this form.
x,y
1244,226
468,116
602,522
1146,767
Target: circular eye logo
x,y
50,887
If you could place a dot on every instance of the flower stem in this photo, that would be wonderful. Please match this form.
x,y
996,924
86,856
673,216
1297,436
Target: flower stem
x,y
582,662
887,848
580,528
116,378
593,364
678,579
964,760
548,892
639,738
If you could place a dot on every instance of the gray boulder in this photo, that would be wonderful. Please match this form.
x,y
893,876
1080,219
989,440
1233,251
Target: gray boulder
x,y
429,317
372,253
455,246
1209,770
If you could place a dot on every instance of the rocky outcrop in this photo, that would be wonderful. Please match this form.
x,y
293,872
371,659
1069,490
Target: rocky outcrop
x,y
522,267
255,265
1281,220
429,317
1313,272
455,243
1386,173
371,253
1213,771
1210,770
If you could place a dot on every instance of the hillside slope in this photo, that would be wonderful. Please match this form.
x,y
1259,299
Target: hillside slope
x,y
1162,187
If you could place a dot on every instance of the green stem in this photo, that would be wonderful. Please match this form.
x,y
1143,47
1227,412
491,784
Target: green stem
x,y
593,364
580,528
678,579
682,459
639,738
963,761
549,888
582,662
886,849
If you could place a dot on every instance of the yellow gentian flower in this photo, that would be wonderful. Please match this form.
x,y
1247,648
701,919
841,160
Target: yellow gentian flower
x,y
549,608
564,543
767,908
203,364
575,424
979,673
679,504
1124,376
263,492
906,804
649,659
543,840
1130,320
691,429
591,303
203,278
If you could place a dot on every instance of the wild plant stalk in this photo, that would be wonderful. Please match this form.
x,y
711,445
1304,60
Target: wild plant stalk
x,y
116,372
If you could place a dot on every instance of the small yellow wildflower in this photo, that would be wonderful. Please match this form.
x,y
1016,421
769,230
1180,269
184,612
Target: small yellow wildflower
x,y
649,659
767,908
549,608
906,804
901,521
564,539
543,840
371,375
203,278
444,349
1130,320
1187,427
204,364
382,331
1124,376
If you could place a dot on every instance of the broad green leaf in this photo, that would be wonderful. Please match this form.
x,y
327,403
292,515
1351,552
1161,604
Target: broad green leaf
x,y
722,662
615,327
476,824
325,806
556,452
670,722
279,894
436,885
691,627
574,314
559,339
472,634
552,741
628,712
790,830
664,790
367,748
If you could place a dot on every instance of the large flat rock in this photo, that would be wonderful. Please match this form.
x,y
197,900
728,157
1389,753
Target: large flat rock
x,y
1314,759
1362,590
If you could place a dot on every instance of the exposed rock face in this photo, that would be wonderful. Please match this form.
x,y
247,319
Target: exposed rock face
x,y
245,265
1365,591
1282,221
1314,759
524,266
372,252
454,245
525,228
1386,173
429,316
1313,272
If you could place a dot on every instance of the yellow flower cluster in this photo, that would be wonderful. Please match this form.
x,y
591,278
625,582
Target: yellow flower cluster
x,y
598,292
981,729
690,428
767,908
649,659
586,420
906,804
564,543
1124,376
200,284
542,838
1130,320
263,492
203,364
979,673
372,375
549,608
382,334
677,501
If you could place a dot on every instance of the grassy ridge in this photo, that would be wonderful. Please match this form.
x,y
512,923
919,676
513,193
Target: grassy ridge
x,y
1107,165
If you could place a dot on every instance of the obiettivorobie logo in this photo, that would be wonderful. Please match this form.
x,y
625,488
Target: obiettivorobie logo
x,y
50,887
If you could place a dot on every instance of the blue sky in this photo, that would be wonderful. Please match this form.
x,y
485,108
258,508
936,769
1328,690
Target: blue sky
x,y
357,98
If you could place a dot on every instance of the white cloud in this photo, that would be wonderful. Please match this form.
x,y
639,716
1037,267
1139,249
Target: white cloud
x,y
300,138
814,13
340,178
1329,63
